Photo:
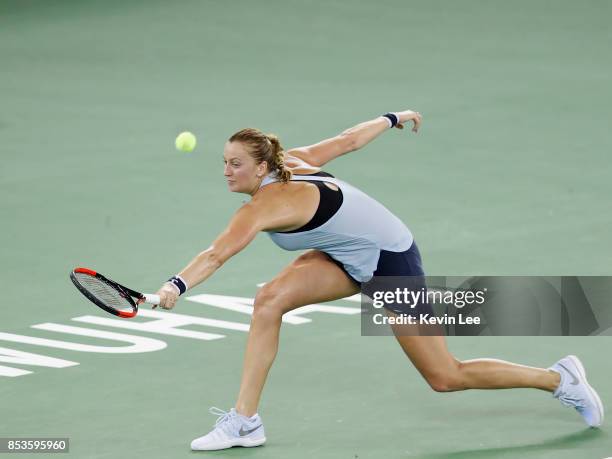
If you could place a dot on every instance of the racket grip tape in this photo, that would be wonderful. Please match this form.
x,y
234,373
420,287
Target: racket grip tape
x,y
151,298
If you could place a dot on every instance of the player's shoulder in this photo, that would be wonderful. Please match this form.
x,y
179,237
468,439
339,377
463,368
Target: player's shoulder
x,y
298,165
268,196
281,193
272,192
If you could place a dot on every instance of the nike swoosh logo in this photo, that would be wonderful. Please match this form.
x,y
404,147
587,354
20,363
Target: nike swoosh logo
x,y
574,378
243,432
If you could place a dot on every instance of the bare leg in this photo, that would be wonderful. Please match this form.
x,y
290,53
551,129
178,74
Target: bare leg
x,y
444,373
311,278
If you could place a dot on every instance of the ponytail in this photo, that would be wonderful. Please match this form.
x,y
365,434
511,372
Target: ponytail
x,y
277,158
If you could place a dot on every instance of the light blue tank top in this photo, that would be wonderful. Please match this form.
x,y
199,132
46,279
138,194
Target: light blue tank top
x,y
354,235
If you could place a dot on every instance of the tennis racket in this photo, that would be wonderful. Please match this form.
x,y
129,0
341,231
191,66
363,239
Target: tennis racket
x,y
109,295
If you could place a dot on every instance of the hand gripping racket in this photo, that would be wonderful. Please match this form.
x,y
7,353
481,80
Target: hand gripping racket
x,y
109,295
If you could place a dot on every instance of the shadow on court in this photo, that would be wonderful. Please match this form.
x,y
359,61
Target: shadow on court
x,y
563,442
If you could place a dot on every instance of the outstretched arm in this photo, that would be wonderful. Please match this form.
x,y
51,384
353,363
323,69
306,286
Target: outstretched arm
x,y
352,139
264,212
241,230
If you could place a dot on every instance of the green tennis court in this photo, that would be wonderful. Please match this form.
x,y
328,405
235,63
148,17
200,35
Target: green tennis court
x,y
508,176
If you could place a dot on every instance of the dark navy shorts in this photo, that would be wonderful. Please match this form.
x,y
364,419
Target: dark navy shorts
x,y
407,265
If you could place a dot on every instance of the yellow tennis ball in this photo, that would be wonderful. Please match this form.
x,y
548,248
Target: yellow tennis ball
x,y
185,141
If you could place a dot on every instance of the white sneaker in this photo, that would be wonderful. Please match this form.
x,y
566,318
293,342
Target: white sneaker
x,y
231,429
574,390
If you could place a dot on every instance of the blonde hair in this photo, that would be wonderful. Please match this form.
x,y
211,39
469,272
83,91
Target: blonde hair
x,y
264,147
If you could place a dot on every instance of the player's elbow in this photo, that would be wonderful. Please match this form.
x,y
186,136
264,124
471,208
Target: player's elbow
x,y
348,142
340,145
226,248
313,160
213,258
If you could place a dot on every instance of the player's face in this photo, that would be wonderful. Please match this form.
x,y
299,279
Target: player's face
x,y
243,175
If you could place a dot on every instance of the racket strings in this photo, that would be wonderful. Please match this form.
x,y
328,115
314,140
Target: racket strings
x,y
104,292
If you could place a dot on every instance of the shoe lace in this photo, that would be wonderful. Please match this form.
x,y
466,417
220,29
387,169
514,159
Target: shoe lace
x,y
224,419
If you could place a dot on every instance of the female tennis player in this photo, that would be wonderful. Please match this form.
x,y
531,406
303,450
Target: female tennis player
x,y
351,238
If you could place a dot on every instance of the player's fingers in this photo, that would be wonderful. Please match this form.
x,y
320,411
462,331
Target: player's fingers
x,y
163,299
169,304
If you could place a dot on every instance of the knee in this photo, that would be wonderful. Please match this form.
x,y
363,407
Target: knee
x,y
448,380
269,303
